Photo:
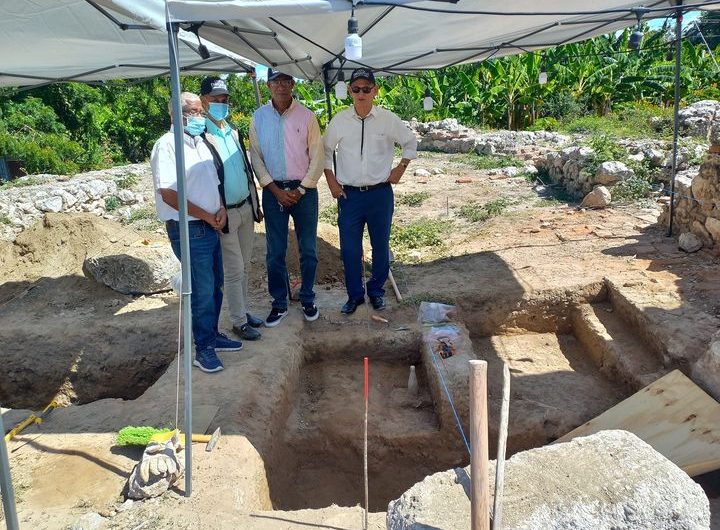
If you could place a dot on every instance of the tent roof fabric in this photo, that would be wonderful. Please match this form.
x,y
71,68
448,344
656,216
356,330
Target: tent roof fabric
x,y
46,41
302,38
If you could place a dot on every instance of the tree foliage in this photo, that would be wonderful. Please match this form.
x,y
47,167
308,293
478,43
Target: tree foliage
x,y
69,127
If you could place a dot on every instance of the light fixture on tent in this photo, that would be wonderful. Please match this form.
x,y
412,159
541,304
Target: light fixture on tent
x,y
428,100
341,86
636,36
542,76
353,42
202,49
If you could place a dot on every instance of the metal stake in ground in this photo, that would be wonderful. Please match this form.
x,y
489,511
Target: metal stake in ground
x,y
502,443
479,505
365,444
6,488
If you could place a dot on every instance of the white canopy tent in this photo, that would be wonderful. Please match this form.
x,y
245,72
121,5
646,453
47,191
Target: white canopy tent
x,y
305,38
45,41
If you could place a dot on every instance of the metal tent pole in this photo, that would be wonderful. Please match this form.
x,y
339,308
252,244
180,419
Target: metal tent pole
x,y
676,120
184,249
258,102
6,487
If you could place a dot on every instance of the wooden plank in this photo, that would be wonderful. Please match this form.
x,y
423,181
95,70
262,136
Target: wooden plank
x,y
675,416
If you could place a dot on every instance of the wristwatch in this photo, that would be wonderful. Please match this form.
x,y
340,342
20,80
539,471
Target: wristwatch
x,y
301,189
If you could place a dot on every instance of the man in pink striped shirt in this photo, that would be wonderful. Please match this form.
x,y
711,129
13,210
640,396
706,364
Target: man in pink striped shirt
x,y
287,154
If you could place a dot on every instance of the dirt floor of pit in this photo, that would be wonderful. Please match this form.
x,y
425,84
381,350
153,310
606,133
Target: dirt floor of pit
x,y
70,467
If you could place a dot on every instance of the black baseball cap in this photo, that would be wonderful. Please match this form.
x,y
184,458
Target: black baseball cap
x,y
213,86
272,75
362,73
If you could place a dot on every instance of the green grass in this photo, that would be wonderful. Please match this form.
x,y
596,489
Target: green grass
x,y
4,219
548,201
414,199
418,234
329,214
476,213
128,181
20,183
143,214
632,121
112,203
631,190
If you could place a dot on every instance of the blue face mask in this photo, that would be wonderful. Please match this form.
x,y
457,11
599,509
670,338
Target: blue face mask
x,y
195,125
218,111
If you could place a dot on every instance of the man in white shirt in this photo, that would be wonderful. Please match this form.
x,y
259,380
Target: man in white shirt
x,y
365,136
206,216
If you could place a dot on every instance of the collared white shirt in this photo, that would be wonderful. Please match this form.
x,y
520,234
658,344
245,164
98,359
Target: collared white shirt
x,y
201,179
365,148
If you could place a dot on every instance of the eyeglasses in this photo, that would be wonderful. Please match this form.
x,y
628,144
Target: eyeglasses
x,y
283,82
194,114
363,89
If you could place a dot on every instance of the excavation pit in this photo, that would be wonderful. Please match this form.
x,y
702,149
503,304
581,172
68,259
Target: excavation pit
x,y
320,461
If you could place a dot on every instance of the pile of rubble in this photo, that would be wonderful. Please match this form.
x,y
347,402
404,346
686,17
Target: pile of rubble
x,y
104,193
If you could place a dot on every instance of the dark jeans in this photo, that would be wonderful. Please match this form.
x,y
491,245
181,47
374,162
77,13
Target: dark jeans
x,y
207,279
305,218
373,208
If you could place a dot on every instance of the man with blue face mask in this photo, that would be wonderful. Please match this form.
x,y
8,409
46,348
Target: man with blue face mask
x,y
239,195
206,217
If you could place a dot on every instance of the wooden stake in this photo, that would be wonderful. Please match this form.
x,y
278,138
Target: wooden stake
x,y
502,444
480,502
365,445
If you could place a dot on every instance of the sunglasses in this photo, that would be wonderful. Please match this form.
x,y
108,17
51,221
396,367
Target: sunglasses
x,y
363,89
283,82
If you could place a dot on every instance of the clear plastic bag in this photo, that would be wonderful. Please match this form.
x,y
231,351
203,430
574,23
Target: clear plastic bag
x,y
444,341
435,313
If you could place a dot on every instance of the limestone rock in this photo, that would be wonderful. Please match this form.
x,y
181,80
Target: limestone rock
x,y
696,119
598,198
706,371
420,172
610,480
689,242
712,225
143,269
611,172
52,204
89,521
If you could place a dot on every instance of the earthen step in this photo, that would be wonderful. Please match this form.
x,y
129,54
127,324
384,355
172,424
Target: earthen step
x,y
615,346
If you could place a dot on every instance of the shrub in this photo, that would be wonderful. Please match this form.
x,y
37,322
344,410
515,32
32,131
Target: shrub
x,y
545,124
475,213
329,214
417,234
128,181
413,199
141,214
631,189
561,105
112,203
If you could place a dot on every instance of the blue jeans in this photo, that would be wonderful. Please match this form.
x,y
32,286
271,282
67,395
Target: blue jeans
x,y
375,208
207,279
277,217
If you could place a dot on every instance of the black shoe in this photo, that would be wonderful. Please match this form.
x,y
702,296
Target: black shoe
x,y
378,303
275,316
247,332
254,321
310,311
351,305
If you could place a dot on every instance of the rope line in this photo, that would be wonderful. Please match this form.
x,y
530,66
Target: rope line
x,y
452,403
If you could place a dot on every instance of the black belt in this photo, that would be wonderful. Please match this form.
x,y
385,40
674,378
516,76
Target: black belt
x,y
194,222
238,205
287,184
366,188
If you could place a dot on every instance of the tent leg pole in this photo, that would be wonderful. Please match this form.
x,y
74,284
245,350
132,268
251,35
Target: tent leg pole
x,y
184,250
8,495
256,89
676,118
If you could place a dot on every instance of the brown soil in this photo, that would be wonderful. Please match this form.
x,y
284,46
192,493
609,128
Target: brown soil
x,y
290,405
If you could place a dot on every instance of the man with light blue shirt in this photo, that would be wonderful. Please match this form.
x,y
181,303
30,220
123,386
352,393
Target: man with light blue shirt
x,y
239,195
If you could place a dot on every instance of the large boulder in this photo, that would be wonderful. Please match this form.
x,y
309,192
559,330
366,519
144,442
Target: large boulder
x,y
696,119
137,269
612,171
610,480
598,198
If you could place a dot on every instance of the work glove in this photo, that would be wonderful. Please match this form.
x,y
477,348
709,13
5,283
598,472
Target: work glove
x,y
158,469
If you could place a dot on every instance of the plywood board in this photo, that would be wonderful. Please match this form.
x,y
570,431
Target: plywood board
x,y
675,416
